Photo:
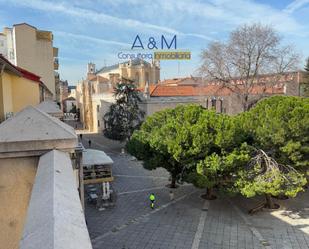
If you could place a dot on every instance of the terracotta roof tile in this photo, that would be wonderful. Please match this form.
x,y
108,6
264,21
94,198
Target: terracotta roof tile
x,y
160,90
182,81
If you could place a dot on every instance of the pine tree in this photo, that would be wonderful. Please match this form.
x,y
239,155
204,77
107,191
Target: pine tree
x,y
124,116
278,129
305,84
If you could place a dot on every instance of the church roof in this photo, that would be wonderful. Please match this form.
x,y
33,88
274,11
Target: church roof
x,y
99,78
134,62
108,68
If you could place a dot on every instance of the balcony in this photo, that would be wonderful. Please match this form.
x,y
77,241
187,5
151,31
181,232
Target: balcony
x,y
44,35
56,64
55,51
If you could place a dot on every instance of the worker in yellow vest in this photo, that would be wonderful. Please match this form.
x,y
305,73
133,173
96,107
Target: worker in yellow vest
x,y
152,200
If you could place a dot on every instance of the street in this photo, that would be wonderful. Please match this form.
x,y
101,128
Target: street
x,y
188,221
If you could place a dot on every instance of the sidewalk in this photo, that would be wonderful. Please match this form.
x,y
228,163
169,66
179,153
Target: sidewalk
x,y
183,224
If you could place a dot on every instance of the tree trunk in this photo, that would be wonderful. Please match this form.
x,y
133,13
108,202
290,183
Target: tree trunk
x,y
209,194
269,202
173,182
245,104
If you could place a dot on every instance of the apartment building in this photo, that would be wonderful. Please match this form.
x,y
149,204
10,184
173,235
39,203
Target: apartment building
x,y
18,89
27,47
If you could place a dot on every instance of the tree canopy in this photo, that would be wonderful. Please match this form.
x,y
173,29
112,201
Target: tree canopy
x,y
124,116
280,126
261,151
165,140
278,132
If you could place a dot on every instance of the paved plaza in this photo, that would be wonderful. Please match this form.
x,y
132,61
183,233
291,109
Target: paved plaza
x,y
187,221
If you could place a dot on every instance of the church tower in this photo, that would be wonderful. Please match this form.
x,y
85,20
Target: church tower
x,y
90,70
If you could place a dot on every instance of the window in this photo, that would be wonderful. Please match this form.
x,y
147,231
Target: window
x,y
98,123
12,55
98,108
147,77
137,77
213,103
221,105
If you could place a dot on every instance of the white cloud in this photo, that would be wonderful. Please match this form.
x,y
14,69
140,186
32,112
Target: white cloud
x,y
295,5
89,38
237,12
97,17
226,12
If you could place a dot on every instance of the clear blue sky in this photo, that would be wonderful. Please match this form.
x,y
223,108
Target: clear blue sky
x,y
96,30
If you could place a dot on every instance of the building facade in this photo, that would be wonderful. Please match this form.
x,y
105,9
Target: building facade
x,y
32,49
137,70
98,95
40,204
95,94
18,89
212,95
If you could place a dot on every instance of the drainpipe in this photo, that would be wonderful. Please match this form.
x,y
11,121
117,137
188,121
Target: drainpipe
x,y
1,89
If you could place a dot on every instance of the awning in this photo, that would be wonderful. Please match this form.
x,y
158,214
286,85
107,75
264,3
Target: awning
x,y
95,157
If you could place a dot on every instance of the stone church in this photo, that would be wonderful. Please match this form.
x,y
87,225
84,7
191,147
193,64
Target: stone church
x,y
137,70
95,94
92,93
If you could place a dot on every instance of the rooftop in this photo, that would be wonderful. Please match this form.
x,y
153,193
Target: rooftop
x,y
99,78
29,130
182,81
172,90
134,62
51,108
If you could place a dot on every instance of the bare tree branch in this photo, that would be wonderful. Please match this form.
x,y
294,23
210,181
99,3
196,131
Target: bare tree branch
x,y
241,63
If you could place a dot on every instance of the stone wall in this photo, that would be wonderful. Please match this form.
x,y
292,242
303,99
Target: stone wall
x,y
16,180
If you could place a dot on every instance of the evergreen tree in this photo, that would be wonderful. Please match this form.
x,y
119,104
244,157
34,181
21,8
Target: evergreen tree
x,y
124,116
277,132
190,143
224,155
165,140
305,83
260,152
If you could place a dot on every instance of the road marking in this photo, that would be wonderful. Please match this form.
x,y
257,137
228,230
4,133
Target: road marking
x,y
139,219
200,227
255,232
155,177
140,190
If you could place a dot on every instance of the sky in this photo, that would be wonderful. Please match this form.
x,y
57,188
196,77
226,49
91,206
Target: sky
x,y
97,30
